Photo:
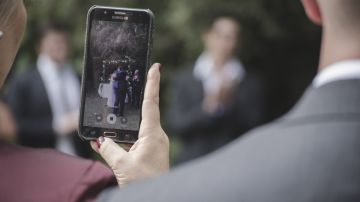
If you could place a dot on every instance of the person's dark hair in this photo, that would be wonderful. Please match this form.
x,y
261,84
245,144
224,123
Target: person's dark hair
x,y
7,8
54,26
211,18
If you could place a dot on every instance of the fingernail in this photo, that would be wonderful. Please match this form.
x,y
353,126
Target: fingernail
x,y
99,141
160,67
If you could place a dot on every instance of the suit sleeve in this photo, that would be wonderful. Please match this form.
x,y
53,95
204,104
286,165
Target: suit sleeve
x,y
30,129
248,108
185,113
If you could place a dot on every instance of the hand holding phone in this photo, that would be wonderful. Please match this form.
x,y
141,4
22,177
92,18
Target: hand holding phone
x,y
149,156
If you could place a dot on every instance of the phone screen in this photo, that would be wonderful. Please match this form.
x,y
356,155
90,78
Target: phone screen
x,y
116,66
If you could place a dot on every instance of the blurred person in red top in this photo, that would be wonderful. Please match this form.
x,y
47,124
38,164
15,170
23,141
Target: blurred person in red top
x,y
38,175
34,175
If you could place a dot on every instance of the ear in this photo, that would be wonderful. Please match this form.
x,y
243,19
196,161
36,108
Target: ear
x,y
312,10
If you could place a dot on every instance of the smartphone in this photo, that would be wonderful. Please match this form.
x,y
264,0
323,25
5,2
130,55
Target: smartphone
x,y
117,58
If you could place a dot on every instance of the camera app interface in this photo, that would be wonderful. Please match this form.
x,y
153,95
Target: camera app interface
x,y
116,69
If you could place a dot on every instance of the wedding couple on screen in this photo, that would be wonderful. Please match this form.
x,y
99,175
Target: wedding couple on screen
x,y
122,88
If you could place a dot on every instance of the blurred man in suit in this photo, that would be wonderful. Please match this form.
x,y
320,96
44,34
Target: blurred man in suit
x,y
35,175
311,154
222,101
45,100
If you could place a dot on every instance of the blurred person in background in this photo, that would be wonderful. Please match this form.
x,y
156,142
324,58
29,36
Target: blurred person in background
x,y
7,124
45,99
217,100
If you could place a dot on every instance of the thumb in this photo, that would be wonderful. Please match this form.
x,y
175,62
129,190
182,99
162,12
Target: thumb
x,y
111,152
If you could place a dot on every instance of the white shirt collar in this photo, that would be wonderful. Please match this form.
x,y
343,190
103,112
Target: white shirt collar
x,y
50,70
47,68
343,70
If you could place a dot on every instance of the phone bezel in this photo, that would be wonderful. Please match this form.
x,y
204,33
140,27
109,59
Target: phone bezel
x,y
121,134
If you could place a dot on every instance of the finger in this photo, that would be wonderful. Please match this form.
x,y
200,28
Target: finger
x,y
150,108
94,146
111,152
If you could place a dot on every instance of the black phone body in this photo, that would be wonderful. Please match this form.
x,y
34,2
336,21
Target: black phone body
x,y
117,58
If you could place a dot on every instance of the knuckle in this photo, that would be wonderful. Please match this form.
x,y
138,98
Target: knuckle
x,y
151,101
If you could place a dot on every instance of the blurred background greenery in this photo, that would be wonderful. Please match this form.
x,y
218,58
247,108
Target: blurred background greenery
x,y
278,42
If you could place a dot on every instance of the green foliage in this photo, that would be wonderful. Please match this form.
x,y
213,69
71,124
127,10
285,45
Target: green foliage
x,y
178,24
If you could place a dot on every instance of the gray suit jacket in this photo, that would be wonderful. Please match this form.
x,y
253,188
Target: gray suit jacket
x,y
311,154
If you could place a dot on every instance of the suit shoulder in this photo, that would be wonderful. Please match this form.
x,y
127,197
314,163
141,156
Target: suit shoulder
x,y
264,130
26,76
